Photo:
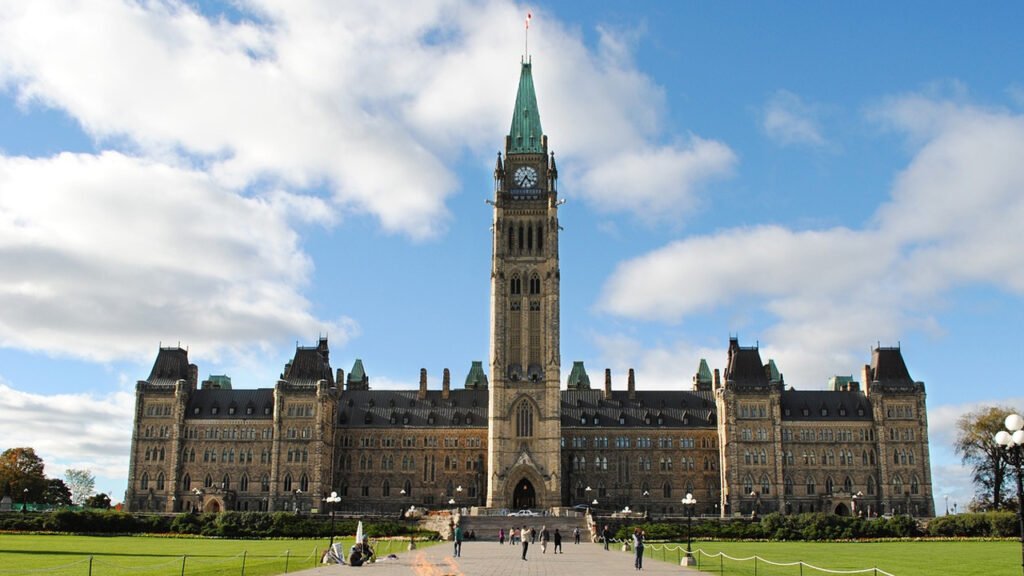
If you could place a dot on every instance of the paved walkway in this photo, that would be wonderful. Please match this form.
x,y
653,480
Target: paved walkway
x,y
493,559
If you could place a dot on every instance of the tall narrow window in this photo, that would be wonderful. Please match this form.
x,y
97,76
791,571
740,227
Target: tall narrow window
x,y
524,420
521,238
529,238
516,285
540,237
243,484
511,237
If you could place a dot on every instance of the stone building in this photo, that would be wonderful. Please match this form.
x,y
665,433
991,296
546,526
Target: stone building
x,y
512,437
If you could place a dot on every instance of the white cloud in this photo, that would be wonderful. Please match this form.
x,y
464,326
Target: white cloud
x,y
951,221
667,367
111,254
788,120
70,430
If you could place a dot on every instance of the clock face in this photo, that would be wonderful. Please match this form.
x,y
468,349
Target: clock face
x,y
525,177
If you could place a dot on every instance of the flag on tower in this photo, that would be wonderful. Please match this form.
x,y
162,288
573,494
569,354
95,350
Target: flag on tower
x,y
529,15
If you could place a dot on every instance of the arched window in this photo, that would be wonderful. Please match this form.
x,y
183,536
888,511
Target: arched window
x,y
243,484
407,487
871,485
516,285
764,456
265,483
524,420
748,484
897,485
829,485
848,485
449,489
915,486
288,483
225,483
144,483
304,483
160,481
385,488
811,486
666,490
534,284
186,482
208,481
788,486
765,485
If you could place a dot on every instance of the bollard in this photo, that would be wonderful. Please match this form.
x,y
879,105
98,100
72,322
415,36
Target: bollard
x,y
183,564
316,557
755,565
243,562
286,554
90,565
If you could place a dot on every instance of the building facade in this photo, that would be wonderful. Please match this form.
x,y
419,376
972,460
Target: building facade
x,y
736,438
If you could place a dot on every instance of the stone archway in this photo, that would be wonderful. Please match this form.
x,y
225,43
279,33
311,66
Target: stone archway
x,y
213,505
842,510
524,495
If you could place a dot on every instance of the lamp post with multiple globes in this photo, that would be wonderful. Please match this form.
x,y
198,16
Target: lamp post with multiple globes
x,y
688,504
333,500
1012,439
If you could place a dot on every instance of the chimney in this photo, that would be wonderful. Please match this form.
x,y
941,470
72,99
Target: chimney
x,y
717,380
446,385
631,384
423,385
866,376
607,383
340,379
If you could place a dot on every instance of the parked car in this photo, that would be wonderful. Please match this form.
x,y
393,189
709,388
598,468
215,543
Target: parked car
x,y
524,512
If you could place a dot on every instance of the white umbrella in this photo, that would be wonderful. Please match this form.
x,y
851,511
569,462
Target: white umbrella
x,y
359,532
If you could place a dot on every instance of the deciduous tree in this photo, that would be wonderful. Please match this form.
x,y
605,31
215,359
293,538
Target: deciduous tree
x,y
57,493
98,501
977,448
82,484
21,468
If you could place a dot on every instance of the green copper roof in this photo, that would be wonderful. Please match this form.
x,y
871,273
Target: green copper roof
x,y
526,135
357,374
704,373
578,379
773,372
840,383
476,379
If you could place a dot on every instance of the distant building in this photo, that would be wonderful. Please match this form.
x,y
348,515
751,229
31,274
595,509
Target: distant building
x,y
738,439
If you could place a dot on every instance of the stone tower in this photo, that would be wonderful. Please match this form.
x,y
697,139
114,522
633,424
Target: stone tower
x,y
524,422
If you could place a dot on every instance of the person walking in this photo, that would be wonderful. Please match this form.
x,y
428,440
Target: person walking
x,y
558,542
458,540
576,535
533,535
545,536
606,535
526,541
501,535
638,547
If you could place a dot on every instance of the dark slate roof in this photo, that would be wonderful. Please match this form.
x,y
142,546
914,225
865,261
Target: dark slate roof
x,y
835,403
375,408
744,366
309,366
171,365
223,400
678,408
887,366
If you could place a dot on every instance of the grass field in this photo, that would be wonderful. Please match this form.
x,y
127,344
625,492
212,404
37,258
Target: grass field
x,y
155,556
925,558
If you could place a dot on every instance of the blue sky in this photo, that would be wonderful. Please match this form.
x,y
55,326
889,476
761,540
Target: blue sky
x,y
240,177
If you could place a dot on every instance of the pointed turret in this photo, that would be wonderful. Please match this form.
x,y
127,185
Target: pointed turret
x,y
526,135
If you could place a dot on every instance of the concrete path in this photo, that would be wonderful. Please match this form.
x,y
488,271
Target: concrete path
x,y
493,559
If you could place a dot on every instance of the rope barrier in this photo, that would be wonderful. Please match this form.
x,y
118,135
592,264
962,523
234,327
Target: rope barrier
x,y
755,558
44,570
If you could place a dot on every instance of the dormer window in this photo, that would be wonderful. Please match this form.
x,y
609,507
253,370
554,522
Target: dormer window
x,y
231,410
214,410
196,410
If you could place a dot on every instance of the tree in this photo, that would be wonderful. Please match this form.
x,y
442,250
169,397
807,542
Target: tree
x,y
100,500
82,484
57,493
21,468
976,446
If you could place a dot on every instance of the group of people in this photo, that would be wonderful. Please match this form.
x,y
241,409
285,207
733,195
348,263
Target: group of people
x,y
527,535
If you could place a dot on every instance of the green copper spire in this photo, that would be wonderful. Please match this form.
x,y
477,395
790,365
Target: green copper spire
x,y
526,135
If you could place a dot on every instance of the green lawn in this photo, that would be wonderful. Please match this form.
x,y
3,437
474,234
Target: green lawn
x,y
156,556
926,558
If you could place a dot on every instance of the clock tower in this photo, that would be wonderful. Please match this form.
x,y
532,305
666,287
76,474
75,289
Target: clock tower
x,y
524,428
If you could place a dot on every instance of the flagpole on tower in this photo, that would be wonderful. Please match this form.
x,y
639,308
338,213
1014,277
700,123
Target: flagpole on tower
x,y
526,42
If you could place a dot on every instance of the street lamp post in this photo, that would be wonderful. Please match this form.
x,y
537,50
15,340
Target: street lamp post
x,y
946,497
688,504
646,495
1013,440
24,500
857,496
333,500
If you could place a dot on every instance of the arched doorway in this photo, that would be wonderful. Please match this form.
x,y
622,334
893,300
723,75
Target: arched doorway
x,y
842,510
524,496
212,506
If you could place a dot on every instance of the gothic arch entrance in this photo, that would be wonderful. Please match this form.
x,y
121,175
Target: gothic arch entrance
x,y
212,506
842,510
524,496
